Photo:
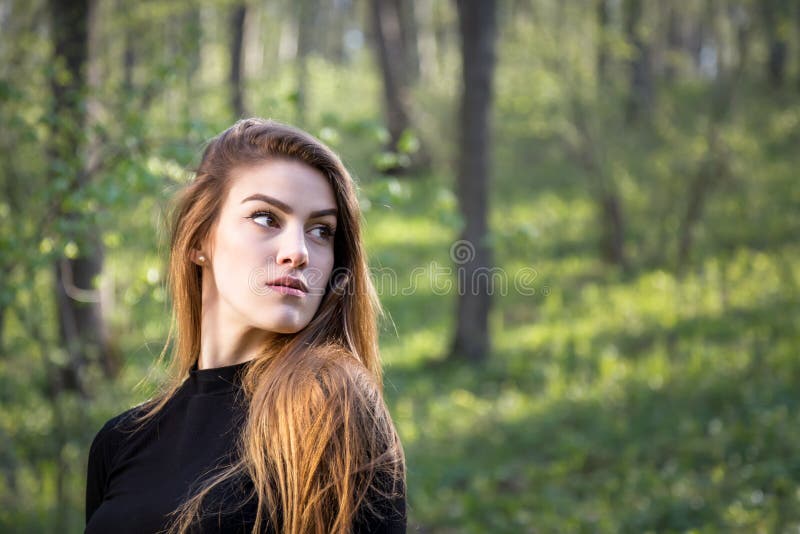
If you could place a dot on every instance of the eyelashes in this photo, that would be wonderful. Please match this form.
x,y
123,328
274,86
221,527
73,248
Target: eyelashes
x,y
261,213
328,231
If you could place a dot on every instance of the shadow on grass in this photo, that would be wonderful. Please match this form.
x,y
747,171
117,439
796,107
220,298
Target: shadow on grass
x,y
769,321
708,450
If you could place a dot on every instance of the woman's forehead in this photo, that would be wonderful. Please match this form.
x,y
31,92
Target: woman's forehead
x,y
285,183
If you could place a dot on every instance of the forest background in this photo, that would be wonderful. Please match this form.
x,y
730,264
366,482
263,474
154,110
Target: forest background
x,y
582,217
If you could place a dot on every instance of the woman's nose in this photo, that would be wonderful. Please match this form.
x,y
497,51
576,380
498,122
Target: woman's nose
x,y
292,248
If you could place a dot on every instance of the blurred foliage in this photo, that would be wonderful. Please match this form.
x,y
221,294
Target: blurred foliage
x,y
649,400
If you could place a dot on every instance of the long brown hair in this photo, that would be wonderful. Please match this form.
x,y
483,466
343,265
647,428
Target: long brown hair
x,y
318,438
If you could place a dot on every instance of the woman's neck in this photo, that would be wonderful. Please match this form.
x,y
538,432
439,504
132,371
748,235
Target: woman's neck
x,y
223,343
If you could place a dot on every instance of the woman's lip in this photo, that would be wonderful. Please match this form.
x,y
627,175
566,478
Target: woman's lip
x,y
286,290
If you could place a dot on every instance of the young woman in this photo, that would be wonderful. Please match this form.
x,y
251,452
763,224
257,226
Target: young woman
x,y
273,419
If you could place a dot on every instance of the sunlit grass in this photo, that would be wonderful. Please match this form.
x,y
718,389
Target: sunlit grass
x,y
600,389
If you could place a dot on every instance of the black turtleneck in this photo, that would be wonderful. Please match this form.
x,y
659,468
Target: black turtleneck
x,y
135,479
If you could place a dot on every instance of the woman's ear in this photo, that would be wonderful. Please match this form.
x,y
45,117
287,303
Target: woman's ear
x,y
199,258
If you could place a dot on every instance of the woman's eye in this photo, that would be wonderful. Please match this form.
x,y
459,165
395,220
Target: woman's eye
x,y
269,218
324,231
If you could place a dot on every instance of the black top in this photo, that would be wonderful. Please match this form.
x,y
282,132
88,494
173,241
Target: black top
x,y
135,479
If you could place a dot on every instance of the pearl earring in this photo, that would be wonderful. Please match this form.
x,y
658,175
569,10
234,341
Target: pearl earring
x,y
202,259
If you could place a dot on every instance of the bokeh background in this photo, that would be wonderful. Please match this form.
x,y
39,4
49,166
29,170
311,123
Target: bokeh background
x,y
628,167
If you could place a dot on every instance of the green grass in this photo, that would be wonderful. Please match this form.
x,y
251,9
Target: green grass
x,y
643,403
649,405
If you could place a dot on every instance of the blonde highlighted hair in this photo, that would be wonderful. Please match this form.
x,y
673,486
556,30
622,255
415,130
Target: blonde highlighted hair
x,y
318,442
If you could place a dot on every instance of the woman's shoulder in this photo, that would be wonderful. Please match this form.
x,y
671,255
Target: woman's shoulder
x,y
109,437
141,417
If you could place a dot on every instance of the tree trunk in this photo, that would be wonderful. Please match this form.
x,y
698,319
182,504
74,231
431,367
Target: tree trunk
x,y
306,10
777,61
477,22
335,24
612,240
237,41
602,42
389,45
742,27
409,34
674,41
3,306
80,322
191,46
395,43
128,59
603,188
774,12
426,39
640,98
715,168
80,325
9,464
696,41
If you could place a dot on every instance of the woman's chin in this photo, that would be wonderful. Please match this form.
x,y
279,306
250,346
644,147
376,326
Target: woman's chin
x,y
283,326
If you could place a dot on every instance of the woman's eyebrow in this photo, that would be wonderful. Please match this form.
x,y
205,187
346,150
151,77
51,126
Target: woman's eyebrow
x,y
285,207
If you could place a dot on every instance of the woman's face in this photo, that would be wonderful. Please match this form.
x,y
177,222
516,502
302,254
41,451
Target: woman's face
x,y
272,250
